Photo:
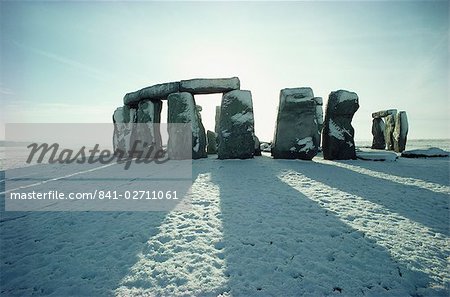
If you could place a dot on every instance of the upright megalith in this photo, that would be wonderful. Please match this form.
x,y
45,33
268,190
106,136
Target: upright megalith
x,y
338,134
217,120
400,131
159,91
395,130
187,138
383,113
378,141
319,113
236,126
212,142
147,131
257,146
387,126
389,131
123,136
297,133
209,85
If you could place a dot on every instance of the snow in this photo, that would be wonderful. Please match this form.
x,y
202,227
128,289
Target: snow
x,y
307,144
295,95
336,131
347,96
197,145
376,155
431,152
242,117
210,83
245,97
257,227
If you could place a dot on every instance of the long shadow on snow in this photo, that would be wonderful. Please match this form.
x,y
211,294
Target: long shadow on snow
x,y
279,242
70,253
408,201
435,170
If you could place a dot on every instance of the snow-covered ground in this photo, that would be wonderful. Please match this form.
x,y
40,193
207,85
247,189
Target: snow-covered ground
x,y
259,227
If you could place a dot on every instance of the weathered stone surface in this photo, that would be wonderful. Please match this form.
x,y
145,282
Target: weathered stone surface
x,y
217,119
209,86
319,112
400,131
338,134
319,117
159,91
383,113
147,130
123,119
296,133
378,141
212,142
236,126
389,131
182,110
257,146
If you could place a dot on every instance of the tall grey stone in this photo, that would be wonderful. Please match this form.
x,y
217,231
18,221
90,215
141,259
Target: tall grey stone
x,y
212,143
187,139
389,131
217,119
319,116
236,126
378,141
338,134
147,129
257,146
383,113
123,137
400,131
296,133
159,91
209,86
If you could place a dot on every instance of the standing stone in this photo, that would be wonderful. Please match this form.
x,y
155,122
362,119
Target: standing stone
x,y
212,143
338,134
400,131
123,119
217,119
378,142
160,91
319,117
187,139
236,126
257,146
209,86
148,126
383,113
296,133
389,131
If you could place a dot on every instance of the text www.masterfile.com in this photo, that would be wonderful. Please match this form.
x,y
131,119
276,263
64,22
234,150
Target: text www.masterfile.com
x,y
95,194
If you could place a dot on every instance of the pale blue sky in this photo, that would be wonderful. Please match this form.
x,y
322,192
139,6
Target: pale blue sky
x,y
74,61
